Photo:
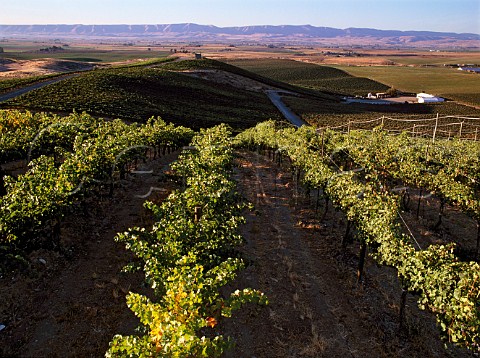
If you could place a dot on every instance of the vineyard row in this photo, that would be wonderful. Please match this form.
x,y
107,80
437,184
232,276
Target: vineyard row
x,y
445,285
69,159
187,256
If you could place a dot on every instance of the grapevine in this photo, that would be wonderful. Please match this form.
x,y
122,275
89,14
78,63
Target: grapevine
x,y
186,258
447,287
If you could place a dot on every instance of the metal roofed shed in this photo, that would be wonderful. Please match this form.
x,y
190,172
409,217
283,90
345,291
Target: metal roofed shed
x,y
470,69
428,98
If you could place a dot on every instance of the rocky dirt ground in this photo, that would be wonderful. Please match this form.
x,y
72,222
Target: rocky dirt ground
x,y
229,78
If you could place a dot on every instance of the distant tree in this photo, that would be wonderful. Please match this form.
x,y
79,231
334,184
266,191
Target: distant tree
x,y
391,92
1,49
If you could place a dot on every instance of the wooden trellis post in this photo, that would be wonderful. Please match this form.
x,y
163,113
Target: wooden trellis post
x,y
323,142
435,130
198,213
361,262
403,301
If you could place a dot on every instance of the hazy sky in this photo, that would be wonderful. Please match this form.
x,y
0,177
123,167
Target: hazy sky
x,y
436,15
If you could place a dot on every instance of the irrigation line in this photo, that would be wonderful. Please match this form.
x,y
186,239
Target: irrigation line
x,y
339,169
411,120
367,121
461,117
400,215
328,127
409,231
451,124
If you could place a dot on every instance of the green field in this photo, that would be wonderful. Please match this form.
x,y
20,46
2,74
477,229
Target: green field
x,y
137,93
438,59
441,81
92,56
100,53
323,78
88,56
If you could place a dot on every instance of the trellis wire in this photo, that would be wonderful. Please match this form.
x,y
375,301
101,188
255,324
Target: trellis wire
x,y
465,131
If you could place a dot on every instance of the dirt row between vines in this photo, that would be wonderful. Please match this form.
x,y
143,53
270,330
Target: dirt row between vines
x,y
317,308
70,303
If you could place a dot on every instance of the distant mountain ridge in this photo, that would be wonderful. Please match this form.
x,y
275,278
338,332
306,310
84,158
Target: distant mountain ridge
x,y
303,33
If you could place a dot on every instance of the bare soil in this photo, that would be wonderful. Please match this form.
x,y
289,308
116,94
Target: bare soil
x,y
25,68
229,78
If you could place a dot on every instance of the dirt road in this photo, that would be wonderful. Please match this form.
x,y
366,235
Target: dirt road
x,y
26,89
289,115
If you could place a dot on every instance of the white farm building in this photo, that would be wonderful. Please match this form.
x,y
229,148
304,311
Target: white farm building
x,y
470,69
428,98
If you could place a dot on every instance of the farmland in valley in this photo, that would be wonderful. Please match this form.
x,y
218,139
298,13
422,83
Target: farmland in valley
x,y
80,51
441,81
